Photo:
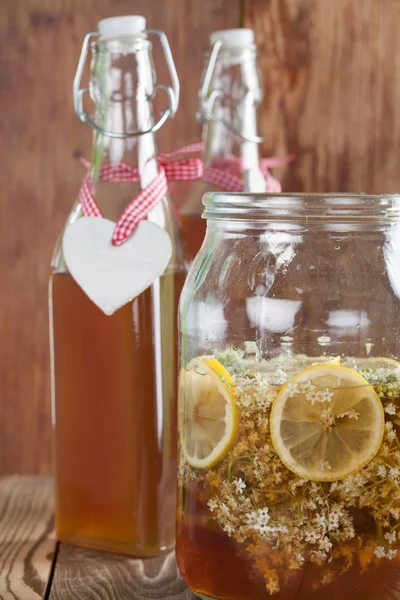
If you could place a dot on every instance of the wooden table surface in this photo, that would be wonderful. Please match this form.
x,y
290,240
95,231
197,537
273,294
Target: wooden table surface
x,y
34,566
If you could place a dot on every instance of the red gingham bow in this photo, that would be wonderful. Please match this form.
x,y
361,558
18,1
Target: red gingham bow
x,y
225,173
185,169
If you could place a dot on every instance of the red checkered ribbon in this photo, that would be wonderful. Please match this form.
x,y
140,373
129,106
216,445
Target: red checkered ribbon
x,y
225,173
185,169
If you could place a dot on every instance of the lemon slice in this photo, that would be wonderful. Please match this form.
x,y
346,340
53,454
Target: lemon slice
x,y
208,412
326,440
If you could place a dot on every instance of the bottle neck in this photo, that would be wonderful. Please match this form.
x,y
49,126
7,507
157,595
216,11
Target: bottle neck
x,y
122,88
235,78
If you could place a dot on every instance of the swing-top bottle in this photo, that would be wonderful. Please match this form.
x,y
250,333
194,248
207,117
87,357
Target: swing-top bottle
x,y
114,382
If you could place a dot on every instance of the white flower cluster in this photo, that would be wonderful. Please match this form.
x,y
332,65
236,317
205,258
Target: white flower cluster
x,y
312,392
350,414
382,552
259,520
325,466
390,432
239,485
380,375
255,394
391,537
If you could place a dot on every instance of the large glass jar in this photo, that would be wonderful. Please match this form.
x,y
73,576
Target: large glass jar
x,y
289,477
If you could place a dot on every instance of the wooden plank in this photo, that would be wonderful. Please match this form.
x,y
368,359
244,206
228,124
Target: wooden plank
x,y
332,94
27,544
91,575
39,177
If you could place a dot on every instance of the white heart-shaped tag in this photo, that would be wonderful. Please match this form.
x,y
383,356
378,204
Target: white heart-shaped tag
x,y
114,275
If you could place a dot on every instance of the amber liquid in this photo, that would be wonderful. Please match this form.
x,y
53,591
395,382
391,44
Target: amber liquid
x,y
115,392
193,232
215,566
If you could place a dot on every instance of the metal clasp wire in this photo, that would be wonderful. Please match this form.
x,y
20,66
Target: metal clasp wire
x,y
172,92
207,101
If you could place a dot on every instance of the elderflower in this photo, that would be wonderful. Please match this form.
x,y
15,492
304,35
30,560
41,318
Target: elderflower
x,y
265,399
391,537
390,409
394,473
349,531
212,504
381,471
239,485
350,414
293,389
314,394
395,513
327,418
325,466
360,479
258,517
296,483
390,554
311,536
324,544
229,529
225,510
334,519
380,552
390,433
320,521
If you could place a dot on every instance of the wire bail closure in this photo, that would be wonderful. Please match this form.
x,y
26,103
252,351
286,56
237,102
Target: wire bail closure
x,y
172,92
207,101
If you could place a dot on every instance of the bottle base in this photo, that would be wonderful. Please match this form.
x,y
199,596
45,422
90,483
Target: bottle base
x,y
100,546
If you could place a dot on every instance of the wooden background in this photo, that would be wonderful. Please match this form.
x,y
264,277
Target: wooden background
x,y
332,96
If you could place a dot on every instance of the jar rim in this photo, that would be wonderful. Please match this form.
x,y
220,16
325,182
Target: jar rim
x,y
245,206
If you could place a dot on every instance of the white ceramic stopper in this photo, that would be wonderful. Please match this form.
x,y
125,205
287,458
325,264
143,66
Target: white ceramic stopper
x,y
233,38
122,26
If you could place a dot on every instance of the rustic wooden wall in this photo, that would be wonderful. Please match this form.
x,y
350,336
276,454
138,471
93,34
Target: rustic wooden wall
x,y
40,42
332,96
332,90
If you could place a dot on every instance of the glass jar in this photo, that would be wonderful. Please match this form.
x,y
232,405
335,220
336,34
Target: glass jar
x,y
289,410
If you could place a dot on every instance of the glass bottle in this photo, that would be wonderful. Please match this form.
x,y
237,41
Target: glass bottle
x,y
289,476
229,95
114,377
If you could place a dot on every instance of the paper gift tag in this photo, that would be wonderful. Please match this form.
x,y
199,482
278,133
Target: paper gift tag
x,y
113,275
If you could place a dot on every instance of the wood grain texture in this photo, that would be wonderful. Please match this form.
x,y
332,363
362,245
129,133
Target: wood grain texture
x,y
40,42
332,91
27,544
89,575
